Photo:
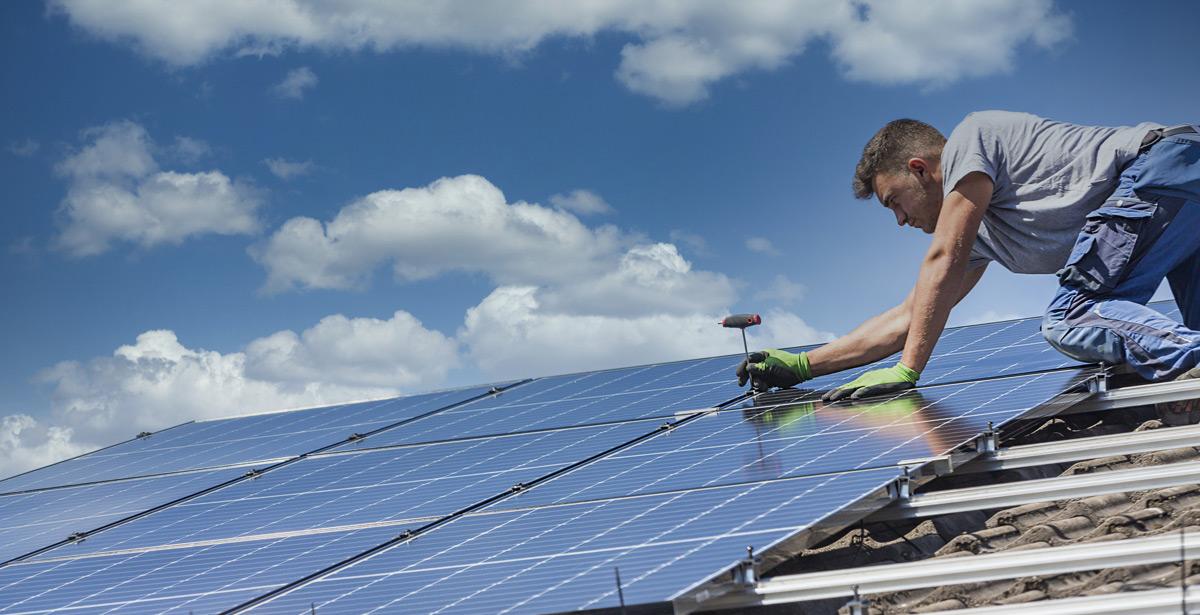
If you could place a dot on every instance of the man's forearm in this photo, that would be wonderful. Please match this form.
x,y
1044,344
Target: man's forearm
x,y
936,293
871,341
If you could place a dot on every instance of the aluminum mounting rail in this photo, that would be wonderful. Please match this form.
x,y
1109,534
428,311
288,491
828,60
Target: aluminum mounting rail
x,y
1004,495
943,571
1148,602
1138,395
1092,447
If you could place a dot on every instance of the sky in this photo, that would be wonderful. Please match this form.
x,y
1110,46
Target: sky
x,y
233,206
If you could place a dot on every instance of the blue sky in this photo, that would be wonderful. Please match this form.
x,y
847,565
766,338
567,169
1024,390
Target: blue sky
x,y
715,144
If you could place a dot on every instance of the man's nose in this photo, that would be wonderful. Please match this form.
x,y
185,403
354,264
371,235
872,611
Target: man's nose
x,y
899,216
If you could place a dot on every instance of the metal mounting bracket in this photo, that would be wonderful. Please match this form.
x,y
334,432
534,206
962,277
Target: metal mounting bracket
x,y
745,573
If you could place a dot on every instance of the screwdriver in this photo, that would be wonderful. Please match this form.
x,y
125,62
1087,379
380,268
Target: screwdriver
x,y
742,321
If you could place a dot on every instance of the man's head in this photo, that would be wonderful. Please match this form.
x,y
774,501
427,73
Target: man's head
x,y
901,166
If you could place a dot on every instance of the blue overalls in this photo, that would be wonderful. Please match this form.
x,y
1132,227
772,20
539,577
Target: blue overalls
x,y
1147,230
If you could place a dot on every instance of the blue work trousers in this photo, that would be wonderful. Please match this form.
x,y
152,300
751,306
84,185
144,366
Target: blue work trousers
x,y
1149,229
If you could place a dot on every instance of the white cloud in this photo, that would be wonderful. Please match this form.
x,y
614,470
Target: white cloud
x,y
648,279
679,49
116,192
512,334
398,353
287,169
761,245
296,83
25,444
157,382
918,41
569,295
24,149
581,202
454,224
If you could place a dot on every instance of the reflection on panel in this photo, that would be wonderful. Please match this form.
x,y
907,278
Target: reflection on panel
x,y
804,438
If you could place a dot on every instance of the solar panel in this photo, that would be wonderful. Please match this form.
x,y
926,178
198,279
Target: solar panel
x,y
337,490
186,577
670,508
805,438
262,437
651,391
562,557
471,564
31,520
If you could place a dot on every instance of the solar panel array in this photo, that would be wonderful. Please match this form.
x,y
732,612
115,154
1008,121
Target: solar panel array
x,y
477,500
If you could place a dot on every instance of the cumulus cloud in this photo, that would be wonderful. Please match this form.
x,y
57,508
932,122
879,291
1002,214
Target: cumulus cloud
x,y
648,279
454,224
581,202
368,352
287,169
511,333
917,41
626,300
678,50
157,382
116,192
296,83
26,444
761,245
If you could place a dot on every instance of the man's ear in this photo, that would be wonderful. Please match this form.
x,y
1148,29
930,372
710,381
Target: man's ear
x,y
918,167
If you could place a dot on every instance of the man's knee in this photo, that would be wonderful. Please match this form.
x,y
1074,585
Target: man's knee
x,y
1084,343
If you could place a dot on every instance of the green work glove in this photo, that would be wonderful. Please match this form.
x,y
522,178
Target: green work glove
x,y
876,382
773,368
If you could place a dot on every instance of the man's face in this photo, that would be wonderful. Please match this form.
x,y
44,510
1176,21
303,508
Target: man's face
x,y
912,197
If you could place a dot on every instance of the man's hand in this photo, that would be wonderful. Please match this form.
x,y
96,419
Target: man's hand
x,y
876,382
774,368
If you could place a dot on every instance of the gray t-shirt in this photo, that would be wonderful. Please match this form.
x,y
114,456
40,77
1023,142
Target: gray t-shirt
x,y
1048,176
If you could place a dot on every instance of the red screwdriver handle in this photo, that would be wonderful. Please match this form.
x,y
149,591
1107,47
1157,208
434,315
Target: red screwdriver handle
x,y
741,321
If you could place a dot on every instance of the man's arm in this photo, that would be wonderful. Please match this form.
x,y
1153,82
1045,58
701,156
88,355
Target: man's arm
x,y
939,285
879,336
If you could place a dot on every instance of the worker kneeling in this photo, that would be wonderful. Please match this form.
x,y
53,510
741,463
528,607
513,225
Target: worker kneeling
x,y
1111,211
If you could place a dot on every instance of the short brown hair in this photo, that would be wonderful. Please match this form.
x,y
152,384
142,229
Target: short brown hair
x,y
889,150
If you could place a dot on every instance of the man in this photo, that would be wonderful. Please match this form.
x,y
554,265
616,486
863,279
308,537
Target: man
x,y
1112,211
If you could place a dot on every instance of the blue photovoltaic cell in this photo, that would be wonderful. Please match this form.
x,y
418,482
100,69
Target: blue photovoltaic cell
x,y
562,557
426,481
235,440
805,438
32,520
671,512
579,399
197,578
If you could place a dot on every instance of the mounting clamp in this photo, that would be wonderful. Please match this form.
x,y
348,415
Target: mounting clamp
x,y
858,605
988,442
745,573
